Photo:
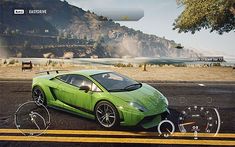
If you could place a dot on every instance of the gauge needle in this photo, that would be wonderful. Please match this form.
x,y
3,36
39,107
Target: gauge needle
x,y
168,130
188,123
207,125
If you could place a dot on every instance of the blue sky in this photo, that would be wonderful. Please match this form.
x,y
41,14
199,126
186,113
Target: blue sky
x,y
159,16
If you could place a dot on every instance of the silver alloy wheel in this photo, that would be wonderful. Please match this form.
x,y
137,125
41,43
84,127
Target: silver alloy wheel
x,y
38,96
106,115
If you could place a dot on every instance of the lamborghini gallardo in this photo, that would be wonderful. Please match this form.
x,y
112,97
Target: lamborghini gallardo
x,y
108,97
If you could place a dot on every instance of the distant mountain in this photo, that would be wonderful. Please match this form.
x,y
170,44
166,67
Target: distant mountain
x,y
66,28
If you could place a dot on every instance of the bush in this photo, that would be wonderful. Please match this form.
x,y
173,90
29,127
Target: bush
x,y
123,65
51,62
120,65
216,64
180,65
129,65
11,61
54,63
4,61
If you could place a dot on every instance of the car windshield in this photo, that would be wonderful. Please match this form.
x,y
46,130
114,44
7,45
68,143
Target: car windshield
x,y
114,82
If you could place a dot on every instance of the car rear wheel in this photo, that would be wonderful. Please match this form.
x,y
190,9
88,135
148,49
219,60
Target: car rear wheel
x,y
106,114
38,96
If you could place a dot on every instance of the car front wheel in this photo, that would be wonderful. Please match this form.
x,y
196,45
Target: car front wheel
x,y
38,96
106,114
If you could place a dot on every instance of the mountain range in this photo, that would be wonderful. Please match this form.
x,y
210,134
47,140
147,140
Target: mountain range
x,y
68,29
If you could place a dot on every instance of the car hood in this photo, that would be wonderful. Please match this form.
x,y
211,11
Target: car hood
x,y
146,96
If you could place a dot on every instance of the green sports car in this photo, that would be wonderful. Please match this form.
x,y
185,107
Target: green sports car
x,y
110,98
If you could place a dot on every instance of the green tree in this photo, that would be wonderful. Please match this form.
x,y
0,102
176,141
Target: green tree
x,y
216,15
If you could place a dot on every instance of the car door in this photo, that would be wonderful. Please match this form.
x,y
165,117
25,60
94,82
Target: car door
x,y
73,96
65,91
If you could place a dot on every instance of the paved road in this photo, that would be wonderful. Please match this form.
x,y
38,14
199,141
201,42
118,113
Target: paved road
x,y
180,95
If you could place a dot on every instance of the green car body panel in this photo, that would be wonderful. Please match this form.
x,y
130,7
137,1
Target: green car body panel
x,y
62,95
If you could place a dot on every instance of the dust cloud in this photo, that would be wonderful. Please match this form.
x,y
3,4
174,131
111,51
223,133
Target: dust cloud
x,y
128,46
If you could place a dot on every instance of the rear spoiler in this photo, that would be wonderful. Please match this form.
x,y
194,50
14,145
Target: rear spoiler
x,y
49,71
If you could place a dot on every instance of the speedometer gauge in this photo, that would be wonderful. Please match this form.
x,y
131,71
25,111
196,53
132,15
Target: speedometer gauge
x,y
166,128
198,119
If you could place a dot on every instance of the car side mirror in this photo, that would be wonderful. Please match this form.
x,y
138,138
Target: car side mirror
x,y
85,88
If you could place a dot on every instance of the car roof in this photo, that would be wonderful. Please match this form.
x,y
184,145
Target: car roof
x,y
89,72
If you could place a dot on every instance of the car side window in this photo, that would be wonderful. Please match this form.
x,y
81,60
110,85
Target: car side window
x,y
63,78
79,81
95,88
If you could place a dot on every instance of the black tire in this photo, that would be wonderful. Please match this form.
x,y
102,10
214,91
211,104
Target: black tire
x,y
107,115
39,96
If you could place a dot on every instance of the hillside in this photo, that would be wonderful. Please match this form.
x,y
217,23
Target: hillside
x,y
66,28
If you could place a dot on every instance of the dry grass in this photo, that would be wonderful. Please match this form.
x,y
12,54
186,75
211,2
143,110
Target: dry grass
x,y
137,73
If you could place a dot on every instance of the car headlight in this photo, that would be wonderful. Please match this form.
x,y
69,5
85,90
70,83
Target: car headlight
x,y
138,107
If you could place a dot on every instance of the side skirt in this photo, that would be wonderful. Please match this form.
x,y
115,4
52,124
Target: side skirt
x,y
69,109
